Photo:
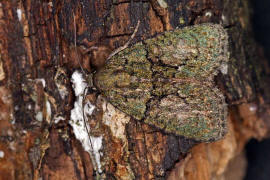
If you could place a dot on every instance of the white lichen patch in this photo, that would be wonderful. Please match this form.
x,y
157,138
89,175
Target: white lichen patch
x,y
78,115
48,111
42,81
224,19
97,145
50,4
224,68
2,154
2,72
16,107
29,107
19,14
79,83
39,116
208,14
253,107
115,119
58,119
162,3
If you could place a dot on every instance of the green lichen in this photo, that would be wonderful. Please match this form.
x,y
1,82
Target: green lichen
x,y
167,81
181,20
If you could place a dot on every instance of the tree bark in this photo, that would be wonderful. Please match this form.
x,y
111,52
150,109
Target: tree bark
x,y
42,43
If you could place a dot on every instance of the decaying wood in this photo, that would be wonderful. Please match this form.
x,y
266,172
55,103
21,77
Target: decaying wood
x,y
38,57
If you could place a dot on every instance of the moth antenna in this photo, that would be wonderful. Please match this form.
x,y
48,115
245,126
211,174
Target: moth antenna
x,y
86,88
75,44
127,43
84,121
84,91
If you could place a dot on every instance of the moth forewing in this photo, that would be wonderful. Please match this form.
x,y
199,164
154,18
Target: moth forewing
x,y
168,81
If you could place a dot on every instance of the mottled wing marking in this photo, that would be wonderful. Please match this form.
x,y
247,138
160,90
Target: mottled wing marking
x,y
167,81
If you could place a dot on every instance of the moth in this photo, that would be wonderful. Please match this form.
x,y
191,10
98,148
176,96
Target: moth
x,y
168,81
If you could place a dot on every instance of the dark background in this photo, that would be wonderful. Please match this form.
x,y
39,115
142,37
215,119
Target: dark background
x,y
258,153
261,23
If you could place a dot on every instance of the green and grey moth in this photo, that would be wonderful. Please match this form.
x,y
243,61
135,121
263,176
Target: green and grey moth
x,y
168,81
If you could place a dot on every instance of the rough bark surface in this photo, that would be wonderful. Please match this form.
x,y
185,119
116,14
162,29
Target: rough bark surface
x,y
41,43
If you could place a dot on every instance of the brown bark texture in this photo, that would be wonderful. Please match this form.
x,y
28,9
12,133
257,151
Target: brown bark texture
x,y
41,45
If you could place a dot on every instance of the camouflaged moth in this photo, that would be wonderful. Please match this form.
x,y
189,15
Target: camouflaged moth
x,y
168,81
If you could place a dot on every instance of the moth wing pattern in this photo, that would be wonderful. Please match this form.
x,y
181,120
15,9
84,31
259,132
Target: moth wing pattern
x,y
168,81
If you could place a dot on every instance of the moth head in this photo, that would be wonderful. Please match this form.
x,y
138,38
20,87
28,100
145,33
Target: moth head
x,y
99,55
